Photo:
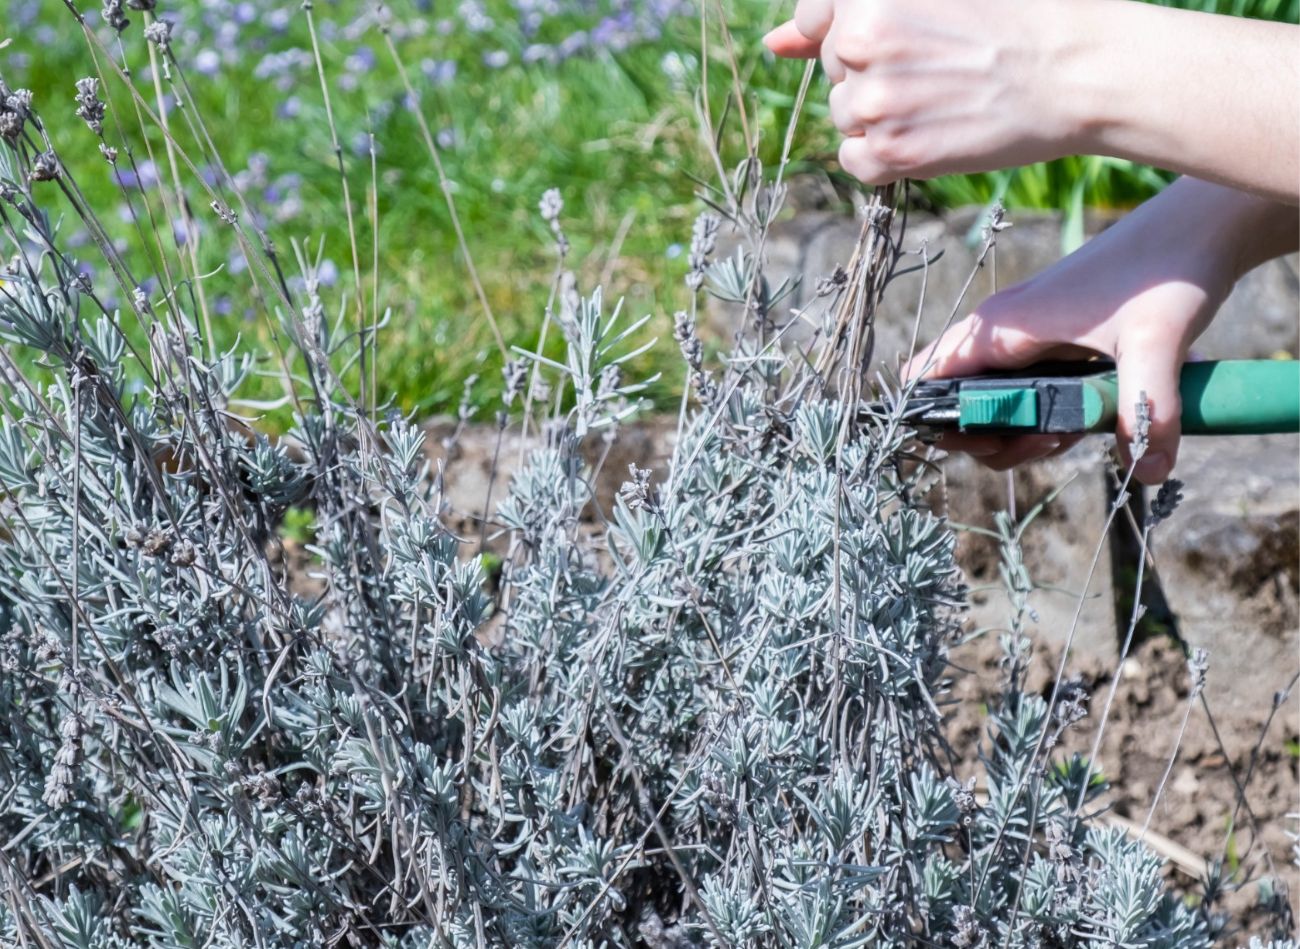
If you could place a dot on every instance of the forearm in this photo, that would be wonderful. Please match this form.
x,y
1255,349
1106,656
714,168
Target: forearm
x,y
1204,95
1217,232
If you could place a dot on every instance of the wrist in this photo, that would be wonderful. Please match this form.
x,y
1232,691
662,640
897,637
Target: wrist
x,y
1220,233
1081,71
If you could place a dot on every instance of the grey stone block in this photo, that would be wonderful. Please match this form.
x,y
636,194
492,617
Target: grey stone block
x,y
1259,320
1229,562
1057,547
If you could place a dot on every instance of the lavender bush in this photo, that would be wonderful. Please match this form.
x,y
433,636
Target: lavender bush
x,y
708,716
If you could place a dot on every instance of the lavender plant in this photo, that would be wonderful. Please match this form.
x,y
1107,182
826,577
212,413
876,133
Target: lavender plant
x,y
711,715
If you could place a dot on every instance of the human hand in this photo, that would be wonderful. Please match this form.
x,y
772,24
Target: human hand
x,y
929,87
1139,293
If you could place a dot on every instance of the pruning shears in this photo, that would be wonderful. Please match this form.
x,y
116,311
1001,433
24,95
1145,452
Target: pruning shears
x,y
1230,397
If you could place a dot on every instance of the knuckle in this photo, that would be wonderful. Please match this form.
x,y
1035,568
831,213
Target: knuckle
x,y
812,17
856,160
894,147
871,103
861,39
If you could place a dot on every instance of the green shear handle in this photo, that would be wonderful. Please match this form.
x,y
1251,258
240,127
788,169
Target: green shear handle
x,y
1231,397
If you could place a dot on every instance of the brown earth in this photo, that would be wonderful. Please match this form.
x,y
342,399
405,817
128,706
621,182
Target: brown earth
x,y
1197,817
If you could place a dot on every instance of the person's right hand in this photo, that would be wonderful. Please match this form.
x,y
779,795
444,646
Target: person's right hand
x,y
1139,293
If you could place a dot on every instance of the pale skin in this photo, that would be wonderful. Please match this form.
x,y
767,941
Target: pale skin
x,y
929,87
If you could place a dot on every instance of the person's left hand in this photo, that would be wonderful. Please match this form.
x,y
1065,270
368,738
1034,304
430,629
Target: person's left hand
x,y
929,87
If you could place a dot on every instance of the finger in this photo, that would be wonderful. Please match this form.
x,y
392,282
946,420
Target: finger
x,y
1003,451
1022,449
855,105
787,41
859,160
1067,442
970,347
831,65
1151,367
977,446
814,18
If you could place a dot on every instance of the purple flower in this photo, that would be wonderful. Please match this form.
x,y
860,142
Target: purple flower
x,y
181,231
572,44
440,72
142,177
278,20
474,16
289,208
236,263
289,108
447,138
207,62
244,13
327,274
362,61
538,52
496,59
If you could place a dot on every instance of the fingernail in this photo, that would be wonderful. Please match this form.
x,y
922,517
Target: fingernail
x,y
1152,468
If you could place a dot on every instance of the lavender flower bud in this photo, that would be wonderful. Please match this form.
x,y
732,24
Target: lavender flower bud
x,y
89,107
704,238
159,32
11,126
14,112
45,167
114,16
1166,502
636,493
516,376
1142,429
551,205
1198,664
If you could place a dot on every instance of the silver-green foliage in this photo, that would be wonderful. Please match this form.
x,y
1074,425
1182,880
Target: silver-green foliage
x,y
709,716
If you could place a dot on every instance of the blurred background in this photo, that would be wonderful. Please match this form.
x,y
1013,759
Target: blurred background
x,y
597,98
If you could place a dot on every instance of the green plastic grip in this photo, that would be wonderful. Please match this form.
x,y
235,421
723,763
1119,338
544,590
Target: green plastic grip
x,y
1230,397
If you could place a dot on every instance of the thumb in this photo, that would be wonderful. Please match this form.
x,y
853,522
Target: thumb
x,y
787,41
978,344
1153,368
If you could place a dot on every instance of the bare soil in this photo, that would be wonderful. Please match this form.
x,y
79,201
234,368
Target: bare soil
x,y
1199,814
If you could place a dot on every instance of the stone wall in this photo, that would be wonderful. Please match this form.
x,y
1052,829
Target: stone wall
x,y
1258,321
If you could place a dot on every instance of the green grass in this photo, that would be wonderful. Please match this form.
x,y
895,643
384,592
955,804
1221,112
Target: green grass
x,y
614,133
